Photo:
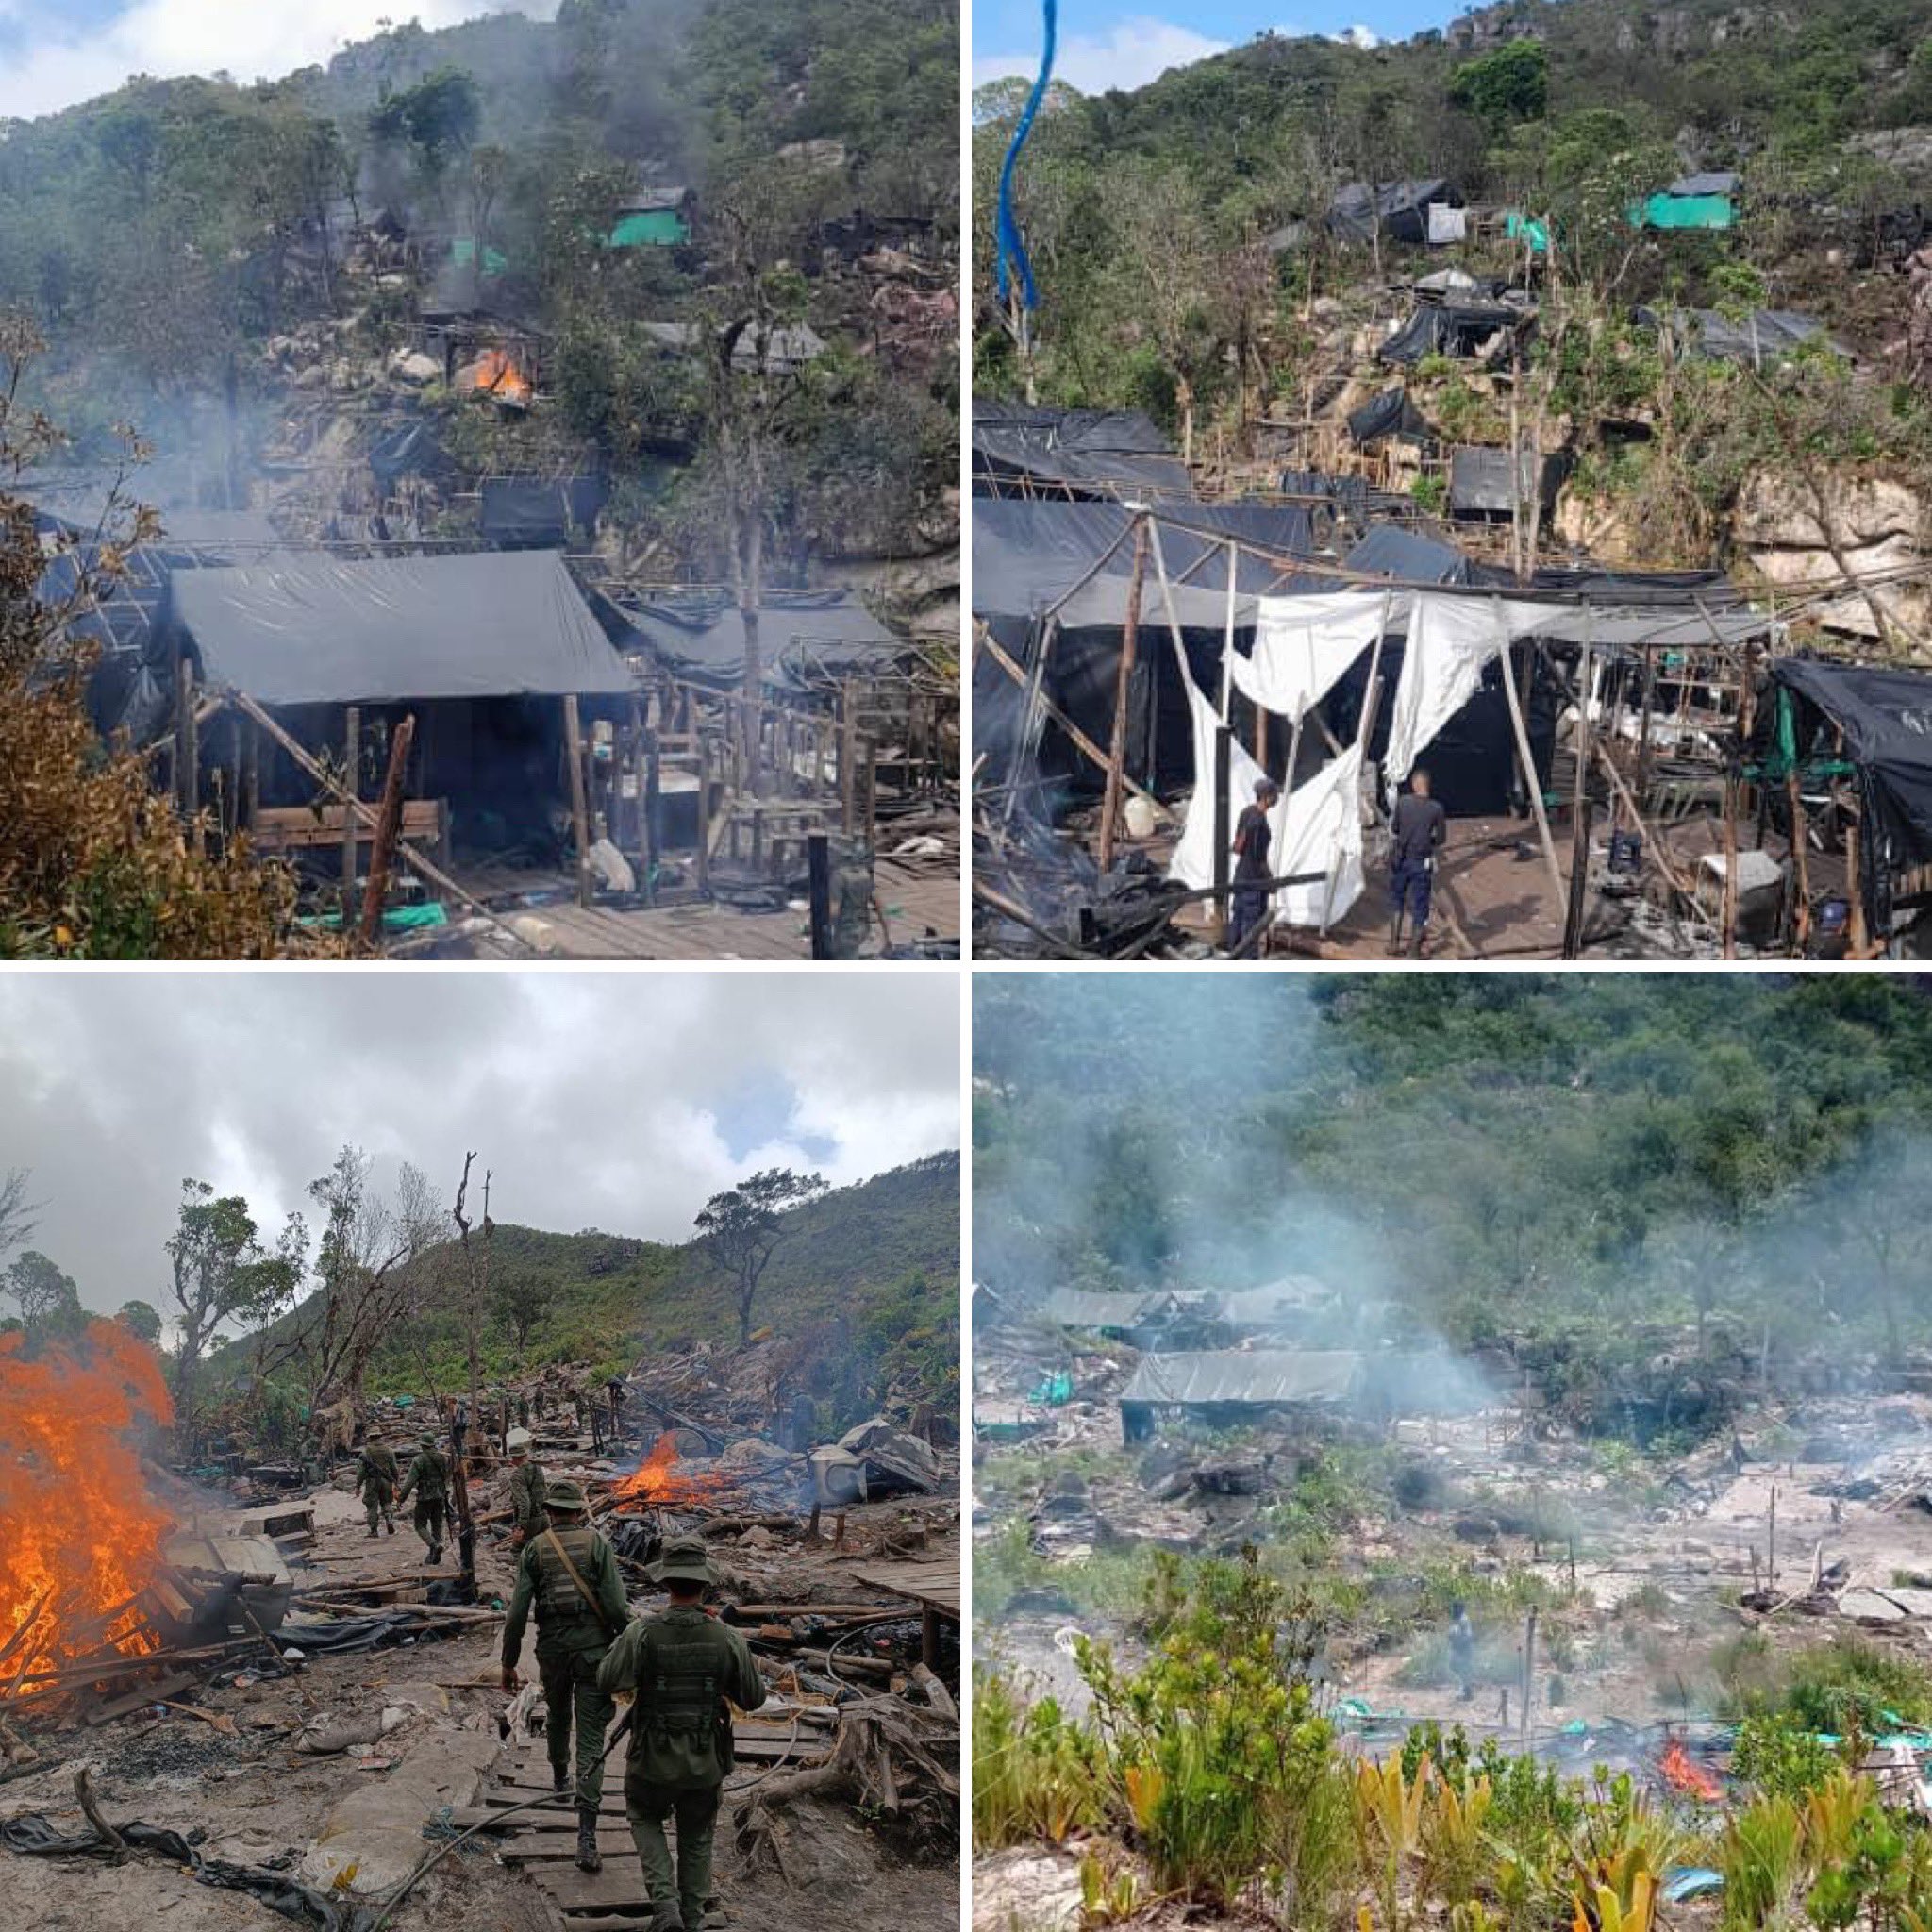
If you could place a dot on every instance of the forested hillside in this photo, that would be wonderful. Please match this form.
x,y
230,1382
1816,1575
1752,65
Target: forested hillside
x,y
1185,266
1597,1172
184,248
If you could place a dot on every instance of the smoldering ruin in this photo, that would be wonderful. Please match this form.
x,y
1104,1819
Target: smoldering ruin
x,y
1227,1311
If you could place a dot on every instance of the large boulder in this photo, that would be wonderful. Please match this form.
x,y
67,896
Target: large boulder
x,y
1870,528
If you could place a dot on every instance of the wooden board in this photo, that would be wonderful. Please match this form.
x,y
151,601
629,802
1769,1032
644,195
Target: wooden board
x,y
934,1585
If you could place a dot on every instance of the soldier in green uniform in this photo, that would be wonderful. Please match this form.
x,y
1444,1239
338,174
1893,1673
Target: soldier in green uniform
x,y
376,1482
429,1479
570,1575
527,1515
682,1666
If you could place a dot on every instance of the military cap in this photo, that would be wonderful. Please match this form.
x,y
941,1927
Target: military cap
x,y
683,1558
563,1493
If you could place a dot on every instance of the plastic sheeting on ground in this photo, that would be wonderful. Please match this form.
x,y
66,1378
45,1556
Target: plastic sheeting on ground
x,y
36,1835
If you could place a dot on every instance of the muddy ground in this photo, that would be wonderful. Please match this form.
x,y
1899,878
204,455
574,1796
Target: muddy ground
x,y
258,1801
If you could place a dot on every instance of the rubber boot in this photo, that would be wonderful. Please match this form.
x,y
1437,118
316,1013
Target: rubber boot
x,y
1417,939
560,1777
436,1553
589,1857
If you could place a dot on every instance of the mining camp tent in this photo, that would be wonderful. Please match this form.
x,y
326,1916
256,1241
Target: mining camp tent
x,y
1399,210
1019,450
808,639
1229,1385
1390,414
1765,334
652,218
1695,201
1458,327
522,513
316,629
1480,482
1104,1310
1886,716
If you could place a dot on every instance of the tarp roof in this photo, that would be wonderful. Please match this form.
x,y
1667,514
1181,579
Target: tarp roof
x,y
303,629
1408,557
1887,716
1718,181
804,636
1089,1308
1480,480
1401,209
1255,1376
1765,334
787,349
1458,328
1391,413
1098,452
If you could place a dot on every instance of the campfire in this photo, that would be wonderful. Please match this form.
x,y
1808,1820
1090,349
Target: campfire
x,y
658,1483
496,374
84,1535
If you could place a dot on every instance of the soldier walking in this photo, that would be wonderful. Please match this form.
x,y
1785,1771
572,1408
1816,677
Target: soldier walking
x,y
376,1482
526,1488
428,1480
684,1669
570,1575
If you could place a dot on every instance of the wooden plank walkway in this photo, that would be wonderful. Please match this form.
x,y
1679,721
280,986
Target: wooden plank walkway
x,y
544,1842
934,1587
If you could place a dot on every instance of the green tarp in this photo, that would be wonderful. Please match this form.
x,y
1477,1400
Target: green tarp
x,y
1521,227
659,227
462,250
1684,211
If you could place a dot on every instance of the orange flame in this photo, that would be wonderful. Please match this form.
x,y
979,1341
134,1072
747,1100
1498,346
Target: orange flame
x,y
1688,1779
496,374
83,1537
656,1483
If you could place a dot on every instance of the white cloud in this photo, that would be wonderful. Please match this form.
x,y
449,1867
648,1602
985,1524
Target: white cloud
x,y
1127,56
1359,36
171,38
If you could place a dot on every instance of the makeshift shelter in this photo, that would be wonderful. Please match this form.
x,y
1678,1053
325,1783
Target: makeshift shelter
x,y
479,647
524,513
788,348
1485,482
1222,1388
1390,414
652,218
873,1461
1765,334
1692,202
1885,717
1460,328
409,449
1074,453
808,639
1397,211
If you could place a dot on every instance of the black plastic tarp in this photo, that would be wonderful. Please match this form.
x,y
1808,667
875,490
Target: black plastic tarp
x,y
1766,335
1480,483
522,514
35,1835
805,637
1447,328
1399,209
1408,557
1887,719
319,629
1084,452
1391,413
408,449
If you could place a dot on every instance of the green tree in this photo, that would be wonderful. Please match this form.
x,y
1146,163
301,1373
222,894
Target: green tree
x,y
523,1300
143,1318
742,1227
48,1301
1511,83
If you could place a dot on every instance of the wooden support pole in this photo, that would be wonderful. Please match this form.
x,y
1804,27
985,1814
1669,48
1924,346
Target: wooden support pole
x,y
704,813
251,770
1530,778
848,758
1224,764
351,773
1116,744
1579,807
652,817
1800,861
580,808
817,847
388,826
187,738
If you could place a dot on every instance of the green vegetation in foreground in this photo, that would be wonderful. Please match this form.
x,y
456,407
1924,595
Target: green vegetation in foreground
x,y
1209,1773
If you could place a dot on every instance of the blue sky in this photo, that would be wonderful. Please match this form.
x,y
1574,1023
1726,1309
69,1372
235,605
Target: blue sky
x,y
1105,46
52,55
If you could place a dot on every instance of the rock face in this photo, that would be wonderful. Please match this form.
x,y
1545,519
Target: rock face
x,y
1870,527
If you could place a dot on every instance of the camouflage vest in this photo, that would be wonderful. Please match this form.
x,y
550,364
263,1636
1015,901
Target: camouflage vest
x,y
564,1614
376,1465
432,1477
681,1733
526,1492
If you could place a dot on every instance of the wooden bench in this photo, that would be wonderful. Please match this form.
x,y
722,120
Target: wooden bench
x,y
297,827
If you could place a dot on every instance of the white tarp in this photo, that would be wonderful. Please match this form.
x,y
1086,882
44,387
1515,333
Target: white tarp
x,y
1303,644
1323,833
1192,863
1447,223
1450,641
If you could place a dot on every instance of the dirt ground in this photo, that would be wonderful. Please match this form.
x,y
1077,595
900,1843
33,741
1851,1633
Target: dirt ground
x,y
256,1800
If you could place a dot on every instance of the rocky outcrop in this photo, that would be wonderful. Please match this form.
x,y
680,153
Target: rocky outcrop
x,y
1865,527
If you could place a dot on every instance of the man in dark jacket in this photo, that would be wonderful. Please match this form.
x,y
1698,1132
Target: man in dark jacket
x,y
570,1575
1416,830
685,1670
1249,904
376,1482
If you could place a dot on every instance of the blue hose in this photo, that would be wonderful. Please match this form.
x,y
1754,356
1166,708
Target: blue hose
x,y
1009,246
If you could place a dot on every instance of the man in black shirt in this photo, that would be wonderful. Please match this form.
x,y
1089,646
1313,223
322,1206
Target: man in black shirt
x,y
1416,834
1249,904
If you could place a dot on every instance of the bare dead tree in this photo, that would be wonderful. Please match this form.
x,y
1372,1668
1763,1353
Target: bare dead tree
x,y
475,1278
